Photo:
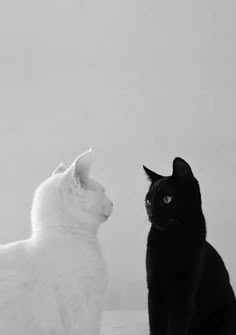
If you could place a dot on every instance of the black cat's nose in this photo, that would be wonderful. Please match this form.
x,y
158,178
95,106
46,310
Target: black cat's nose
x,y
149,210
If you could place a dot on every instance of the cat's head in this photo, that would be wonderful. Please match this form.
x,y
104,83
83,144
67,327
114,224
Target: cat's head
x,y
73,194
172,201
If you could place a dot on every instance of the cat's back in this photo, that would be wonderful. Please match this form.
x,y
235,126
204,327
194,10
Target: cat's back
x,y
15,270
13,252
14,261
215,279
213,262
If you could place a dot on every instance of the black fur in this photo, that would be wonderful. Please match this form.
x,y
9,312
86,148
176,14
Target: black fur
x,y
189,291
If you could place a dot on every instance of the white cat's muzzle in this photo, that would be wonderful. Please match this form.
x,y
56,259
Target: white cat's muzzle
x,y
107,211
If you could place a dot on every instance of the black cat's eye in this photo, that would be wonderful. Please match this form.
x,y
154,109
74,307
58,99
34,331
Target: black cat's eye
x,y
147,202
167,199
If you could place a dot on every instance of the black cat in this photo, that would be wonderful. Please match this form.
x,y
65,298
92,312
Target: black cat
x,y
189,291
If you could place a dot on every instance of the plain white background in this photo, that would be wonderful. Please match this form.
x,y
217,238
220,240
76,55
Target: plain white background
x,y
142,81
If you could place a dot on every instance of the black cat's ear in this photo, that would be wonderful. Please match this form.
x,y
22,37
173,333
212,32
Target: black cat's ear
x,y
181,169
152,176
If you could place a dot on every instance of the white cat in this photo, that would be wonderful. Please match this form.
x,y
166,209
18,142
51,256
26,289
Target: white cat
x,y
54,282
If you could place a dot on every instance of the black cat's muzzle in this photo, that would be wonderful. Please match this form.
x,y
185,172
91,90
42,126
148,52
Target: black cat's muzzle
x,y
162,224
156,222
153,219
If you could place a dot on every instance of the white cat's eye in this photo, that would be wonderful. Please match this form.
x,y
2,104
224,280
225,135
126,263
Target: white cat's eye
x,y
167,199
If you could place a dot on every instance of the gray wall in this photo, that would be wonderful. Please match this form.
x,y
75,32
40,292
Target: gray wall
x,y
142,81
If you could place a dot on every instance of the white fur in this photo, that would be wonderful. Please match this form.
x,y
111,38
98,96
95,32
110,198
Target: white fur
x,y
54,282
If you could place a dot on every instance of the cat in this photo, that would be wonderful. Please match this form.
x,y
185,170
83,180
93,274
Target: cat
x,y
189,291
54,282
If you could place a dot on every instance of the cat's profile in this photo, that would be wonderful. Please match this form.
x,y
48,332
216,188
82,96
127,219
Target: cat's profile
x,y
54,282
189,291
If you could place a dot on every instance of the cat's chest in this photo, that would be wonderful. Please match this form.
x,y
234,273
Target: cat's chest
x,y
74,269
81,286
80,281
86,261
170,255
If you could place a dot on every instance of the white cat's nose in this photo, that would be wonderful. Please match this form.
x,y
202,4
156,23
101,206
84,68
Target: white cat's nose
x,y
109,208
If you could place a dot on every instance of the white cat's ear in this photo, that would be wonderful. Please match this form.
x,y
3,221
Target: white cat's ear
x,y
61,168
80,168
